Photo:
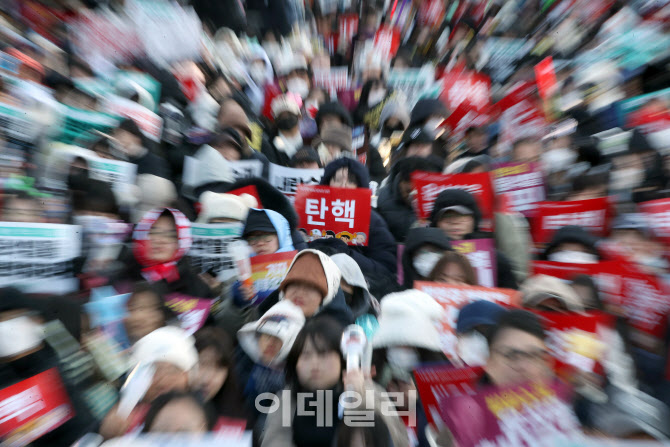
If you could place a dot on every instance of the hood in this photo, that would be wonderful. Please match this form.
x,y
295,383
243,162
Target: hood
x,y
334,108
455,197
363,302
212,167
284,321
425,108
332,272
403,168
417,237
571,233
356,168
281,227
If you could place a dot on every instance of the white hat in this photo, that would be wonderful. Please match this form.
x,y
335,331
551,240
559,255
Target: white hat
x,y
285,103
229,206
284,321
408,319
168,344
155,192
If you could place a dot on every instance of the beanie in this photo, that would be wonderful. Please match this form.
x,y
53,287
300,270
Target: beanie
x,y
339,136
307,269
334,108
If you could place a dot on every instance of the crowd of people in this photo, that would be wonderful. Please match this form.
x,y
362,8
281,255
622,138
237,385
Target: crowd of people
x,y
135,134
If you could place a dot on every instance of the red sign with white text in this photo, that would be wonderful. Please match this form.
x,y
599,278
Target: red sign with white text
x,y
523,183
387,40
32,408
546,78
429,185
467,94
520,116
343,213
591,214
658,218
252,191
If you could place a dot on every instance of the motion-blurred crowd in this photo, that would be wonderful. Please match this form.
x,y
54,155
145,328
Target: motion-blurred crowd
x,y
136,134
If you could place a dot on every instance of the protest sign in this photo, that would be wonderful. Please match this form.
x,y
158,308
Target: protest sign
x,y
287,180
334,79
112,171
429,185
20,134
545,77
414,83
523,183
431,13
452,298
334,212
144,80
192,312
387,41
251,190
468,88
107,310
79,126
348,27
591,214
149,123
502,56
436,382
657,214
209,250
246,168
520,116
482,256
32,408
525,415
268,271
38,258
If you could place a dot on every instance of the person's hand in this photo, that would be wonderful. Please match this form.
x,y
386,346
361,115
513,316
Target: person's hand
x,y
248,292
114,425
355,380
210,280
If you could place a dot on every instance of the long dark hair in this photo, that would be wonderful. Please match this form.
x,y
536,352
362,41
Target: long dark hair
x,y
163,400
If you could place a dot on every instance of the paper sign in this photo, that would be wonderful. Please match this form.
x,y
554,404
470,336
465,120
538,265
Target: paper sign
x,y
210,248
334,212
334,79
287,180
482,256
79,125
33,408
527,415
523,183
429,185
436,382
246,168
414,83
546,78
657,213
192,312
520,116
387,40
452,298
268,271
112,171
592,214
502,56
252,191
149,123
38,258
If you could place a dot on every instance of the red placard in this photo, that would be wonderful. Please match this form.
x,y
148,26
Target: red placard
x,y
387,40
342,211
546,78
33,407
429,185
521,183
658,218
467,94
591,214
436,382
252,191
520,115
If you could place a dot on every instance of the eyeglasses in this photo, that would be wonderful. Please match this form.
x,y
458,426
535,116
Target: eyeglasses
x,y
517,356
263,238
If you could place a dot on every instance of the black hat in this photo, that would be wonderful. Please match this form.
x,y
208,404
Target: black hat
x,y
457,200
306,154
574,234
334,108
229,136
131,127
417,134
257,220
424,109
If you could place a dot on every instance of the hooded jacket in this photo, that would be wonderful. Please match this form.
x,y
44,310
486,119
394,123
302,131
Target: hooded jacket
x,y
417,238
571,234
281,226
362,302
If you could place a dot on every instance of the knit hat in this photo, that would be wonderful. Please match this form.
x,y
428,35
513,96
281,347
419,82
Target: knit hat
x,y
325,276
285,103
457,200
356,168
305,155
408,319
538,288
339,136
334,108
574,234
394,108
166,344
425,108
284,321
478,313
224,206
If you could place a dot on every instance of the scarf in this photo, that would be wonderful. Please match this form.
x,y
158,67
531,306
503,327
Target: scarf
x,y
153,270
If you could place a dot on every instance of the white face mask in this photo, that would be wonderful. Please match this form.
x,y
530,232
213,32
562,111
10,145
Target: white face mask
x,y
473,348
425,262
559,159
403,358
573,257
376,96
19,335
298,86
626,179
258,74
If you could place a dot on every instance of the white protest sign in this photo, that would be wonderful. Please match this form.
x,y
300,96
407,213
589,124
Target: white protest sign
x,y
287,180
247,168
334,79
414,83
209,251
37,258
149,123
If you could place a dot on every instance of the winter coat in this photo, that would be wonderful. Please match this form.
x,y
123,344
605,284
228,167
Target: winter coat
x,y
375,165
417,238
255,378
362,302
150,163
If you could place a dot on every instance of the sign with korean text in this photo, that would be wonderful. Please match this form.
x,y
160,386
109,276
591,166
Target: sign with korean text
x,y
429,185
251,190
287,180
79,126
520,115
482,256
502,56
38,258
657,214
20,134
334,79
414,83
149,123
437,382
387,40
33,408
192,312
523,183
546,78
591,214
338,212
268,271
453,298
526,416
246,168
209,250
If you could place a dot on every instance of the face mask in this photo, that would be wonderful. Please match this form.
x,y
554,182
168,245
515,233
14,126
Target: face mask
x,y
376,96
403,358
298,86
433,123
19,335
287,123
473,348
573,257
559,159
626,179
425,262
258,74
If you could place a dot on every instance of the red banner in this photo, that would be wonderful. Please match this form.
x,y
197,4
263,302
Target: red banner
x,y
387,40
429,185
252,191
334,212
546,78
592,214
520,116
467,94
33,407
523,184
658,218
